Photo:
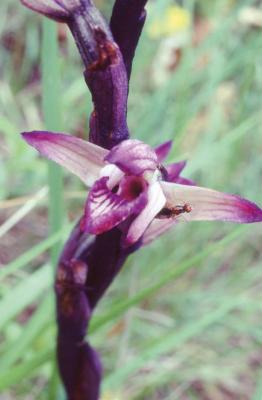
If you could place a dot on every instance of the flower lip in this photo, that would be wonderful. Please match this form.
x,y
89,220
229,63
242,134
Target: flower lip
x,y
106,209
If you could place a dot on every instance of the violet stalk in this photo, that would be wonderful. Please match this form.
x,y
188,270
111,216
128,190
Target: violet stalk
x,y
88,263
133,198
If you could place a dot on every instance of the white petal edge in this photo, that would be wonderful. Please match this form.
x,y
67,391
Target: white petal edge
x,y
114,174
80,157
156,201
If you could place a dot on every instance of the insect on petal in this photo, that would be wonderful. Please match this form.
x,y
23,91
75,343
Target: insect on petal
x,y
209,205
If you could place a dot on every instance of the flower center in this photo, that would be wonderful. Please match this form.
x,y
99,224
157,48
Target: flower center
x,y
132,186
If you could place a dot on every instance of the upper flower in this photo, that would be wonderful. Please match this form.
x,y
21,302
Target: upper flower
x,y
131,189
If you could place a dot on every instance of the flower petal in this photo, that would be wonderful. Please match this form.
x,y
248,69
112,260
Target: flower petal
x,y
50,8
133,157
113,173
80,157
105,209
163,150
157,228
156,201
174,170
209,205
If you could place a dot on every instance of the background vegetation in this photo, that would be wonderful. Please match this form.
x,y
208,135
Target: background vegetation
x,y
183,319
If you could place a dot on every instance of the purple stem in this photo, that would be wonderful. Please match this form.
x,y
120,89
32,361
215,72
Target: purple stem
x,y
79,364
127,21
88,264
105,75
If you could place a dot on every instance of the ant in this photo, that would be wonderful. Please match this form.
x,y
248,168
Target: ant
x,y
167,212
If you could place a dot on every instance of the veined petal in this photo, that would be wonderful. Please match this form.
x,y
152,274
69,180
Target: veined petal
x,y
208,204
133,157
55,9
157,228
105,209
156,201
163,150
80,157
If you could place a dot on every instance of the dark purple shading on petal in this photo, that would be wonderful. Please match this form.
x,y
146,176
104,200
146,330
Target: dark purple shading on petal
x,y
131,187
173,174
126,23
163,150
133,157
105,209
174,170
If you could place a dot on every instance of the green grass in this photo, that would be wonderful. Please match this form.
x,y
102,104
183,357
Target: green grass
x,y
183,319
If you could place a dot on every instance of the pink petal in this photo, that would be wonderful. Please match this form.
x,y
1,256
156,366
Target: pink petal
x,y
209,205
156,201
80,157
105,209
133,157
56,10
157,228
163,150
174,170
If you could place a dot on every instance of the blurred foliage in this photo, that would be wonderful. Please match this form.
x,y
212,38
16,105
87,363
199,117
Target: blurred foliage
x,y
183,319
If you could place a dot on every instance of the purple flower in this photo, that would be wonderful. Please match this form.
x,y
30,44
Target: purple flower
x,y
130,188
132,199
